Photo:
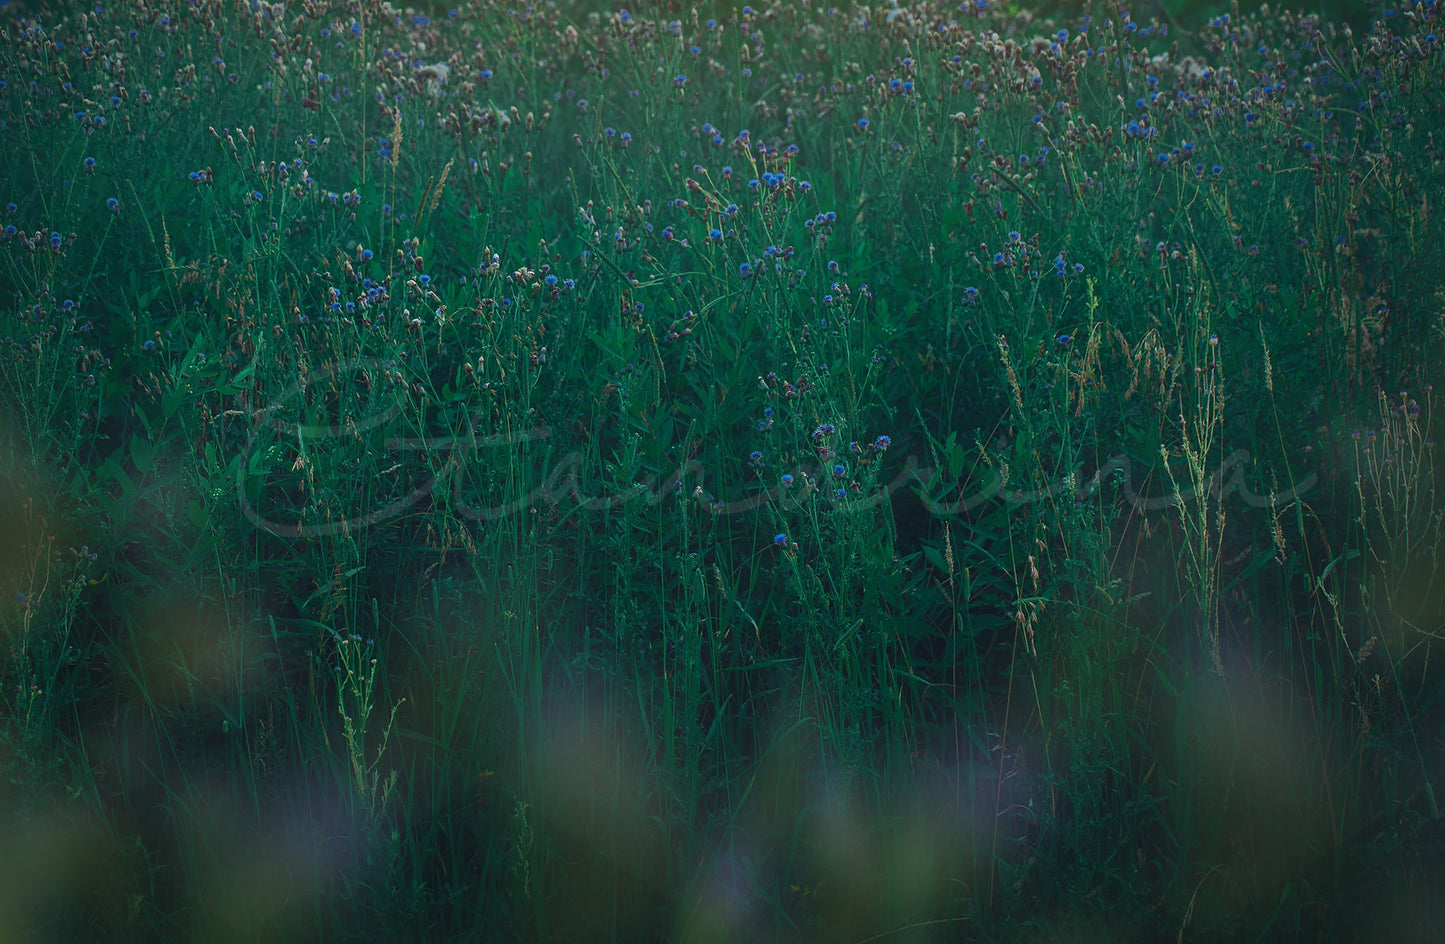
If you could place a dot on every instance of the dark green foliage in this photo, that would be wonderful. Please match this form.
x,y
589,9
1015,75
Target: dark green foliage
x,y
895,473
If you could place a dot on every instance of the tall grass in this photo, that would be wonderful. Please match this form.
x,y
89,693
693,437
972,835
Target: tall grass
x,y
787,473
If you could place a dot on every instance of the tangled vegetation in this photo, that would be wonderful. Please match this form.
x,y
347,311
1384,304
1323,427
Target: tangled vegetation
x,y
923,472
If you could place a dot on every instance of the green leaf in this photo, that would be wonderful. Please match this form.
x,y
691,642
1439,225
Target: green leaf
x,y
110,470
935,557
956,458
198,516
172,401
1263,556
234,386
141,454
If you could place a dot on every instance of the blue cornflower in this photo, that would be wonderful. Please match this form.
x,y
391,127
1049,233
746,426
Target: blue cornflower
x,y
841,493
551,280
863,124
366,254
745,270
780,539
882,443
840,470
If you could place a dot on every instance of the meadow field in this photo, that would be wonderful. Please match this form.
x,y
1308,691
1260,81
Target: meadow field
x,y
911,472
